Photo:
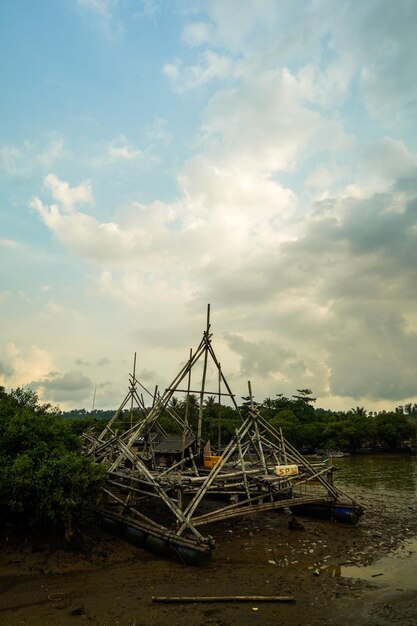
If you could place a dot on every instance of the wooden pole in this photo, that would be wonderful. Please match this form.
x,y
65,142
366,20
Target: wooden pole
x,y
203,382
188,599
284,449
132,389
257,434
219,414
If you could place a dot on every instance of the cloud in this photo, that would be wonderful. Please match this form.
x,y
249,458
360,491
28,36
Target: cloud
x,y
21,365
102,7
148,376
121,150
197,33
381,40
12,244
312,280
373,355
67,195
28,158
106,15
357,260
6,371
82,362
85,235
10,160
209,67
295,214
53,310
71,386
158,131
266,359
52,153
371,43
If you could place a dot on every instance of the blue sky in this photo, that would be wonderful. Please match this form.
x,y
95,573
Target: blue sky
x,y
258,155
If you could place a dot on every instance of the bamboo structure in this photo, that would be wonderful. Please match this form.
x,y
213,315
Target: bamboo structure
x,y
258,470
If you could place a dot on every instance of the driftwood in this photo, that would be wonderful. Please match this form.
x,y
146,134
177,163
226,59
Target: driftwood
x,y
188,599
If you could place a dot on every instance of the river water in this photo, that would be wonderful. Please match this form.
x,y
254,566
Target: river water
x,y
385,474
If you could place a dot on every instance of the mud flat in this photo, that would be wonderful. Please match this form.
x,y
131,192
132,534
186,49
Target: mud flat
x,y
115,584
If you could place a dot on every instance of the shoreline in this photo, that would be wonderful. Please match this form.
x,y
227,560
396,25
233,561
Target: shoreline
x,y
256,556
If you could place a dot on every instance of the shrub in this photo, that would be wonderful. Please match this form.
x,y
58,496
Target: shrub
x,y
45,482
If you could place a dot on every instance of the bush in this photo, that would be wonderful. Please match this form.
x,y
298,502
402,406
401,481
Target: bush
x,y
45,482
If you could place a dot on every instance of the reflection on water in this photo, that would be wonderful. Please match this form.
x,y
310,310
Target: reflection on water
x,y
390,475
399,568
395,473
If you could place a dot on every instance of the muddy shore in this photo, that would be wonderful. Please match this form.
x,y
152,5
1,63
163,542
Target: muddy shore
x,y
115,584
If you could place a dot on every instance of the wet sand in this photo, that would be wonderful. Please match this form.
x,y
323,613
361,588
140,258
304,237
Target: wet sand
x,y
259,555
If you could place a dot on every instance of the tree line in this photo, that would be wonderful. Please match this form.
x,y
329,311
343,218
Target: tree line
x,y
307,427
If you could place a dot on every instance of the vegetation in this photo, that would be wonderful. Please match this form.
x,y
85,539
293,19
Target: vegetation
x,y
45,482
305,426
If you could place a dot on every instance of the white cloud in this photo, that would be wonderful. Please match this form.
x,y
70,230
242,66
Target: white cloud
x,y
121,150
24,364
54,151
29,157
210,66
107,16
10,160
380,37
11,244
102,7
53,309
197,33
67,195
295,217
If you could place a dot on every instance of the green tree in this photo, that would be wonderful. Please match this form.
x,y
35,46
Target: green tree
x,y
359,410
394,430
290,425
45,482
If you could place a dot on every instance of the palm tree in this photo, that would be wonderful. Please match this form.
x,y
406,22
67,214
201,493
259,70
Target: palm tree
x,y
359,410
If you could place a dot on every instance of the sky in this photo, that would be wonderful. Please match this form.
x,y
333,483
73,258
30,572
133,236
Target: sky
x,y
257,155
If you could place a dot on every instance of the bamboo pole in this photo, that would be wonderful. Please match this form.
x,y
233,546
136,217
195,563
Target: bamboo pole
x,y
251,509
160,491
230,449
242,463
219,413
132,389
254,413
203,383
185,426
301,459
189,599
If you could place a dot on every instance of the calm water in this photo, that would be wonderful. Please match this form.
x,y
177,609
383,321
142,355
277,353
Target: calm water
x,y
385,473
398,568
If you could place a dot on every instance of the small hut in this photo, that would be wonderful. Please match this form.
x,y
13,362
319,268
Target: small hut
x,y
172,449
